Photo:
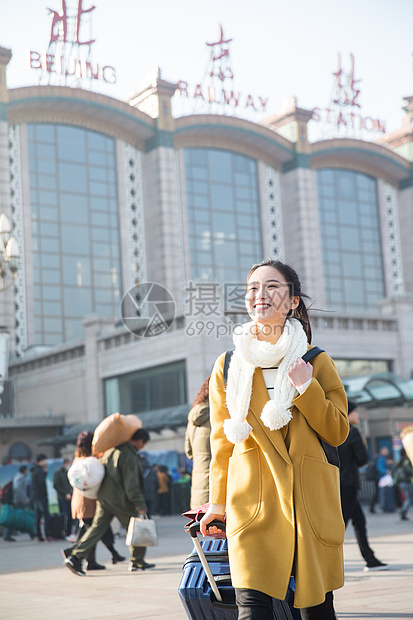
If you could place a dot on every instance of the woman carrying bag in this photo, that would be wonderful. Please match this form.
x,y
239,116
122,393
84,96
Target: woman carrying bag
x,y
269,471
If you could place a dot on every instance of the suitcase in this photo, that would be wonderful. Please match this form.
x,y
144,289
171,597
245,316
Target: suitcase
x,y
57,526
200,593
387,499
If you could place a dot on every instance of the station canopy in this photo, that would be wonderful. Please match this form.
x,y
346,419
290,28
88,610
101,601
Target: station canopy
x,y
379,390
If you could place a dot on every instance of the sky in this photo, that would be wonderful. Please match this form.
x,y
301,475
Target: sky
x,y
279,49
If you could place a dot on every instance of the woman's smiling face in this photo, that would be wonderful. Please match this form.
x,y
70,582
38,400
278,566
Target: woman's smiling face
x,y
268,298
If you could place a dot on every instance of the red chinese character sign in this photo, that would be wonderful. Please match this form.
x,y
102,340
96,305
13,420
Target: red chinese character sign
x,y
343,117
59,29
219,58
217,93
68,59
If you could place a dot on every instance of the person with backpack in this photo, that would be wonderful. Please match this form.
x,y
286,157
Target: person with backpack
x,y
15,494
64,492
353,455
83,510
121,495
269,469
40,498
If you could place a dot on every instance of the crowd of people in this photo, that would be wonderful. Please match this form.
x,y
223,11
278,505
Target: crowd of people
x,y
75,513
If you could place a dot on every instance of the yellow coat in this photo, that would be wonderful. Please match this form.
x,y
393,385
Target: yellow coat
x,y
282,496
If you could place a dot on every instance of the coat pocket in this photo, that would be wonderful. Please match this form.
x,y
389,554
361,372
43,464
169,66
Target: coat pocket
x,y
320,484
244,490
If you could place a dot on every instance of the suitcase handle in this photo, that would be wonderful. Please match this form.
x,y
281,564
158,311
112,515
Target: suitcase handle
x,y
194,528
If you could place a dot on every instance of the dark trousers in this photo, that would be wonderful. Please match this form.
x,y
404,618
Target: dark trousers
x,y
255,605
108,540
101,521
65,509
352,510
150,505
163,504
374,498
41,507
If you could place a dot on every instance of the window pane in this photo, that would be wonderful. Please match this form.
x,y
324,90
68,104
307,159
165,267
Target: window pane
x,y
77,271
220,166
51,276
73,177
77,301
44,133
213,208
75,239
351,242
74,208
71,227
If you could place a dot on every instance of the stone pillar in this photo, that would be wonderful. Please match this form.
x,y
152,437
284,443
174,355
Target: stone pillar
x,y
401,308
299,200
94,327
164,260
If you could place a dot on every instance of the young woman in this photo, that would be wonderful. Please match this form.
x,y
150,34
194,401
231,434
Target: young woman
x,y
269,472
198,445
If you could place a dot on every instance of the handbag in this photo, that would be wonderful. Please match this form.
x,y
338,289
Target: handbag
x,y
7,515
18,519
142,532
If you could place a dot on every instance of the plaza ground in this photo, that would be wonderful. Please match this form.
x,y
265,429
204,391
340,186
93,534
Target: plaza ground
x,y
36,586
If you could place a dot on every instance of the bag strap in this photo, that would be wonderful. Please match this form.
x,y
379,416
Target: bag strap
x,y
312,353
330,451
227,360
306,357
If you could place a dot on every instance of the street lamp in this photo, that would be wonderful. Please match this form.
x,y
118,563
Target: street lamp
x,y
9,254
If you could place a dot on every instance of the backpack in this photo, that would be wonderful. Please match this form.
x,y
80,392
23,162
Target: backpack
x,y
371,471
331,452
6,493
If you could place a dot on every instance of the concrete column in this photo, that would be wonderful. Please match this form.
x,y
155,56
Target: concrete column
x,y
406,227
401,308
302,237
6,297
94,326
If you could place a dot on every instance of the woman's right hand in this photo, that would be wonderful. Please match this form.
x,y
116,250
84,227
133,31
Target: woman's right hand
x,y
207,518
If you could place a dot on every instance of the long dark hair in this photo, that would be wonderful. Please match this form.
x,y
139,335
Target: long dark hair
x,y
84,444
203,393
294,285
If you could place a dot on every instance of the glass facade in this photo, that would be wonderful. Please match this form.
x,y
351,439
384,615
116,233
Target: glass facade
x,y
75,229
223,214
351,241
147,390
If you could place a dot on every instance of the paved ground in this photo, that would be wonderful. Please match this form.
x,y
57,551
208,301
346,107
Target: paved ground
x,y
34,584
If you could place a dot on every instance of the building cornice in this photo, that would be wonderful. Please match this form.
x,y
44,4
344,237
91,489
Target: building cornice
x,y
75,106
228,132
370,158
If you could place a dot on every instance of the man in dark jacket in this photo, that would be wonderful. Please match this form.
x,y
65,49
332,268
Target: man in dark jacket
x,y
151,484
121,495
353,454
64,494
40,497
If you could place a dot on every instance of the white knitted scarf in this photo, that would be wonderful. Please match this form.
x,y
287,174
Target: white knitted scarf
x,y
251,353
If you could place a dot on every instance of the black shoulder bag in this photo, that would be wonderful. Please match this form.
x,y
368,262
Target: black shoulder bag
x,y
330,451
